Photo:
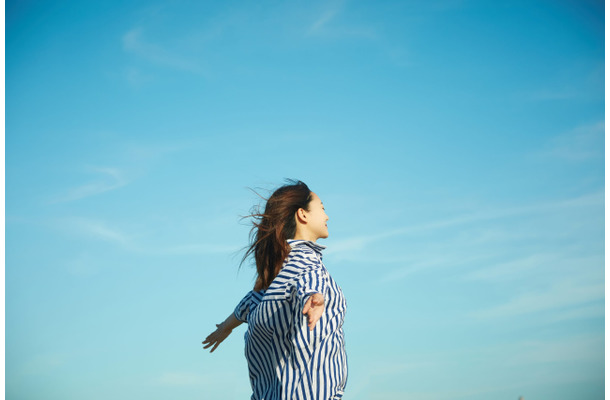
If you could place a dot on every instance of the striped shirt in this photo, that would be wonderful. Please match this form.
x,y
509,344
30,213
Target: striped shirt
x,y
286,360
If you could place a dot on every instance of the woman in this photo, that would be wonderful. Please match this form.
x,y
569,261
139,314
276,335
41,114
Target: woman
x,y
294,342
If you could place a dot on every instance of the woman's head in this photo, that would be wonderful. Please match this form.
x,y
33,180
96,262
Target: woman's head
x,y
311,221
292,211
282,207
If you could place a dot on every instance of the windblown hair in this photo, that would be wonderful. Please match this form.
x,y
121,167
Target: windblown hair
x,y
273,227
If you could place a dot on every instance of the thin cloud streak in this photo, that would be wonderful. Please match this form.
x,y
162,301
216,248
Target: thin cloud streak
x,y
134,43
581,144
578,348
561,295
357,243
139,157
42,364
581,86
584,312
322,26
186,249
112,179
440,261
478,254
323,20
100,230
515,269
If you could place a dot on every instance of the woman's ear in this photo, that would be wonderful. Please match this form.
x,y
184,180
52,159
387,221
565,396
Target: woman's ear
x,y
301,216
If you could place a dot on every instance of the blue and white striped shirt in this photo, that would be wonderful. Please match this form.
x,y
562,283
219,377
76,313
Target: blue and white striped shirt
x,y
286,360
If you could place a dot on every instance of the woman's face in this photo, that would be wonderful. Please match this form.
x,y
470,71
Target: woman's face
x,y
316,218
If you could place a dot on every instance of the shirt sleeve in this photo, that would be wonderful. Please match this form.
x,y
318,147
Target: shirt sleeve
x,y
310,282
243,308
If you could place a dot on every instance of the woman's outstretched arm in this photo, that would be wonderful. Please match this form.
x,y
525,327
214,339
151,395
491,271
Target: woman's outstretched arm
x,y
223,330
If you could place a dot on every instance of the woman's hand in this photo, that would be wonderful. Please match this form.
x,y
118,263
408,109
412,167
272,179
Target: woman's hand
x,y
223,330
215,338
314,307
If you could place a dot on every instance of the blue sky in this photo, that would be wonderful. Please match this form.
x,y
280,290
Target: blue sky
x,y
458,147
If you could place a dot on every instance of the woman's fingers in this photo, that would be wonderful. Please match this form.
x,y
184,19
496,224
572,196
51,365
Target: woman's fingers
x,y
215,343
313,320
211,343
314,307
307,306
213,339
317,299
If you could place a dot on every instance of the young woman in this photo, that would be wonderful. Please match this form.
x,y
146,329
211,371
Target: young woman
x,y
294,342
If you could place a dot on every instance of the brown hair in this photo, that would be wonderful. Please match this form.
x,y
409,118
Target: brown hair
x,y
273,227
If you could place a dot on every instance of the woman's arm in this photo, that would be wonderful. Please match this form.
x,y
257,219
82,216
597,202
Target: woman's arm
x,y
223,330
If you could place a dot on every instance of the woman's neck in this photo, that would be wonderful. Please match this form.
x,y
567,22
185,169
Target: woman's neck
x,y
304,236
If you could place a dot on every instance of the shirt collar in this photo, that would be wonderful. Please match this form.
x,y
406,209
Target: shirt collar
x,y
315,246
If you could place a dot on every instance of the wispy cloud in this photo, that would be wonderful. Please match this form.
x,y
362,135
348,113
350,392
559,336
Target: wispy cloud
x,y
99,230
199,248
344,248
417,264
579,312
326,24
44,363
531,247
139,242
109,179
580,144
528,264
135,43
574,83
557,94
319,25
563,294
577,348
136,77
135,159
